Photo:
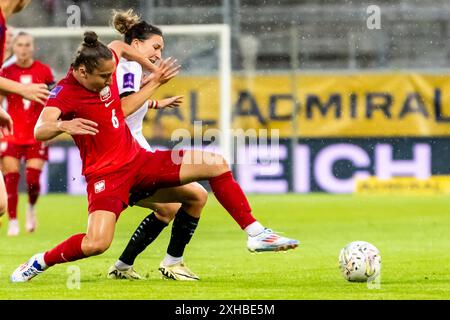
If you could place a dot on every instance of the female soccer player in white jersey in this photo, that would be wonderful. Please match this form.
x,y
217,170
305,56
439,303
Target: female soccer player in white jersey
x,y
190,198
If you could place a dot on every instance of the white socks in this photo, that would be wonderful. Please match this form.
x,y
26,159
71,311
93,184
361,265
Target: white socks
x,y
41,261
169,260
254,229
122,266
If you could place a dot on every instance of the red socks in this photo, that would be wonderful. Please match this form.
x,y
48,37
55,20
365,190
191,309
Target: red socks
x,y
232,198
66,251
12,188
34,187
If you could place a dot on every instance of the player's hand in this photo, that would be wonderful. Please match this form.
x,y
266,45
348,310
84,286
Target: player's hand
x,y
78,126
6,123
36,92
171,102
166,70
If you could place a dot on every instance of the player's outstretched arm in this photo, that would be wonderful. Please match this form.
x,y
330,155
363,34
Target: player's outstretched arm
x,y
49,126
123,49
166,70
171,102
37,92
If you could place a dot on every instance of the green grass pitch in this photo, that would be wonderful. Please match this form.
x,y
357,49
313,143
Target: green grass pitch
x,y
412,234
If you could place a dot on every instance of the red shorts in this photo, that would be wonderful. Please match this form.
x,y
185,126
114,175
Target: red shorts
x,y
148,172
38,150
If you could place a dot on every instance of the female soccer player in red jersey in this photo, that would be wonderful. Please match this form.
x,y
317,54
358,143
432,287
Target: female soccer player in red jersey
x,y
86,104
22,144
188,200
34,92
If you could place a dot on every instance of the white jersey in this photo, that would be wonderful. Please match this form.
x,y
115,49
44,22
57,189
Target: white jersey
x,y
129,76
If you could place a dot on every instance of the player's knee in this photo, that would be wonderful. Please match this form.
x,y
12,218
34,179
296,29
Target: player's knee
x,y
94,248
201,196
165,216
221,165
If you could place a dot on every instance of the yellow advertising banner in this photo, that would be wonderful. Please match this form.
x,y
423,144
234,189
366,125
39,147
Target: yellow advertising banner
x,y
330,105
403,186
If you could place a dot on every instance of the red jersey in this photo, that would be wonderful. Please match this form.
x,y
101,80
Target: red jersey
x,y
113,146
2,36
23,112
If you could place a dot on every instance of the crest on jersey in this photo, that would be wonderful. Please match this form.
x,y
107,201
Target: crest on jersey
x,y
99,186
55,91
105,94
128,80
26,78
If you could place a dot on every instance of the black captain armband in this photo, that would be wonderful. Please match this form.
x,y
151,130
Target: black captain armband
x,y
125,94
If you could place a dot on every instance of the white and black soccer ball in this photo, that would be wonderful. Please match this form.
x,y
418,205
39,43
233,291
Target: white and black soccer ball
x,y
360,261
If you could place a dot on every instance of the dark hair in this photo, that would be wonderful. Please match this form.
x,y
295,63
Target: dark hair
x,y
22,34
90,52
130,25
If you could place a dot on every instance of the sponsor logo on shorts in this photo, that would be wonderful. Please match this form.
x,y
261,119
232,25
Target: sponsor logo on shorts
x,y
3,146
105,94
99,186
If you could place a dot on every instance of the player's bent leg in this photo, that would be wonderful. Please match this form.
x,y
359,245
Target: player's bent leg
x,y
100,233
200,165
147,231
193,198
165,212
33,173
98,238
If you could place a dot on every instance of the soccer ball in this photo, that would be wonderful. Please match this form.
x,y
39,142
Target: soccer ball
x,y
360,261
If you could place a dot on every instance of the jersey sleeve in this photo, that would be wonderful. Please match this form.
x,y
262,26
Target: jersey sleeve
x,y
58,100
128,76
4,73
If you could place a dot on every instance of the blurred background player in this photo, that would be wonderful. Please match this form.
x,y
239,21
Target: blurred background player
x,y
22,145
148,39
33,92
